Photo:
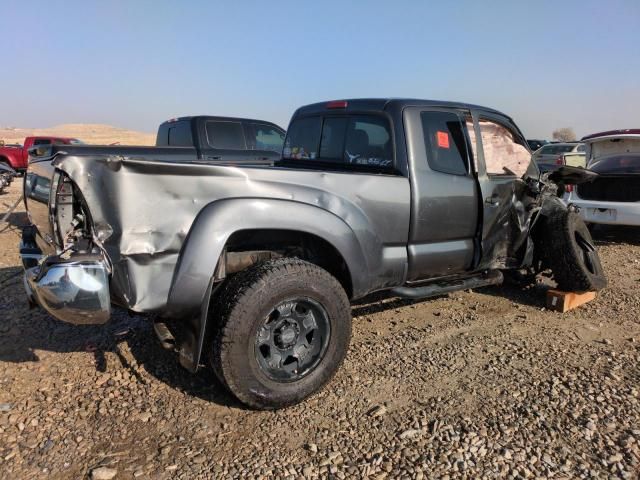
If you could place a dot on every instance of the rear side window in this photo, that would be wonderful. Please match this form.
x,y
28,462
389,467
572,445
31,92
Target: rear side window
x,y
225,135
42,141
445,142
505,152
356,140
179,135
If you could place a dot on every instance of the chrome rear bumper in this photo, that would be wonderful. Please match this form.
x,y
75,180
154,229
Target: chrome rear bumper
x,y
74,291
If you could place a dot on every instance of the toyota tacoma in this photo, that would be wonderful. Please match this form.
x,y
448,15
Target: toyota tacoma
x,y
252,269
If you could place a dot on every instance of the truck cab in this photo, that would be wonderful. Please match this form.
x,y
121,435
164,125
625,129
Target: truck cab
x,y
465,166
224,139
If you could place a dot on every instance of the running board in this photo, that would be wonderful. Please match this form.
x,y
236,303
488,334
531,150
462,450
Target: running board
x,y
493,277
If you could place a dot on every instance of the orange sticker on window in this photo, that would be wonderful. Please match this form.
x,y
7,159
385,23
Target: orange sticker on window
x,y
443,139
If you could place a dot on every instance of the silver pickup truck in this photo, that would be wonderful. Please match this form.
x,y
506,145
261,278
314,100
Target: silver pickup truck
x,y
255,267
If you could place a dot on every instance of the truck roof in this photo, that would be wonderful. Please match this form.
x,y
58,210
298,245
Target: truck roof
x,y
214,117
631,132
379,104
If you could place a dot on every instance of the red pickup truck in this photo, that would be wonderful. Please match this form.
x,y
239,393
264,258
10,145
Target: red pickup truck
x,y
16,156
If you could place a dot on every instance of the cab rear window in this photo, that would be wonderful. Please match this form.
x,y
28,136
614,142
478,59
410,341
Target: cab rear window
x,y
174,134
180,135
362,141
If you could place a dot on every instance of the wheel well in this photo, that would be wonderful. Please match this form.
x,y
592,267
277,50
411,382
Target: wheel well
x,y
245,247
5,160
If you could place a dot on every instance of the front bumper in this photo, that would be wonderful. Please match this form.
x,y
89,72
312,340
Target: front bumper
x,y
606,213
74,290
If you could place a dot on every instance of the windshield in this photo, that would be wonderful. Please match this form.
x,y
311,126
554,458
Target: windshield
x,y
629,163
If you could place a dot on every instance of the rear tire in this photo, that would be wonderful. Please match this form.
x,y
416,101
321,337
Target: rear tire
x,y
571,254
282,330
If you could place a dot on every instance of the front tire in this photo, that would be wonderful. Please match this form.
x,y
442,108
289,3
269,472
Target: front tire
x,y
282,330
571,254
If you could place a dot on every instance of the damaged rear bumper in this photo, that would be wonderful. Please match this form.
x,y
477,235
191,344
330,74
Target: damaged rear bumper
x,y
74,291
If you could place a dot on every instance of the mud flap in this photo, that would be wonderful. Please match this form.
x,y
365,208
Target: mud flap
x,y
191,338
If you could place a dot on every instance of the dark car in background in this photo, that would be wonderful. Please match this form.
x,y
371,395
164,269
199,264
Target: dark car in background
x,y
536,144
224,139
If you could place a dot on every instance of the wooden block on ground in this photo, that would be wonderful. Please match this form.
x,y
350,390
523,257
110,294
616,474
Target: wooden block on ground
x,y
564,301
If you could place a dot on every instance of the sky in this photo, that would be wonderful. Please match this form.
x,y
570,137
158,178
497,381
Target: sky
x,y
134,64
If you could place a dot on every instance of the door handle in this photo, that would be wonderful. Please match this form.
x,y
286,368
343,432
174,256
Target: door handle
x,y
217,157
492,200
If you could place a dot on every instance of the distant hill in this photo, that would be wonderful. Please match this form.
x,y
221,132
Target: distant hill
x,y
89,133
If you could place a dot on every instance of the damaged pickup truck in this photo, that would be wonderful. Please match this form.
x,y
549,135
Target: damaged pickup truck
x,y
255,267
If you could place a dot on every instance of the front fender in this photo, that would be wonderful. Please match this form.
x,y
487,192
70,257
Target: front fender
x,y
193,278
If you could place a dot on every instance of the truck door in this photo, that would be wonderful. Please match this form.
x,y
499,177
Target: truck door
x,y
503,159
224,141
444,204
265,141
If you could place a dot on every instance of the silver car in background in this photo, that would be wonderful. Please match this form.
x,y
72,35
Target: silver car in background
x,y
614,197
554,155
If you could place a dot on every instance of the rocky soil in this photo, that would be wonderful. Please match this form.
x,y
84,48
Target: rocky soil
x,y
479,384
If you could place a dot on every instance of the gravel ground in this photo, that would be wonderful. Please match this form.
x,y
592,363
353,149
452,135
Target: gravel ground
x,y
480,384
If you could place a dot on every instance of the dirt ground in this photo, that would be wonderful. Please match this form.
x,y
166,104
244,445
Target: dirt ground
x,y
96,134
478,384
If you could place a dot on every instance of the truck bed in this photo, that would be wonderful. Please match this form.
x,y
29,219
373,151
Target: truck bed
x,y
154,194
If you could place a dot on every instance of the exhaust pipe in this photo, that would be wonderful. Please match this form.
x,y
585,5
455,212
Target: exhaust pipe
x,y
166,338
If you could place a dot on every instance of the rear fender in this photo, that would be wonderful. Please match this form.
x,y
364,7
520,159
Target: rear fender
x,y
193,280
